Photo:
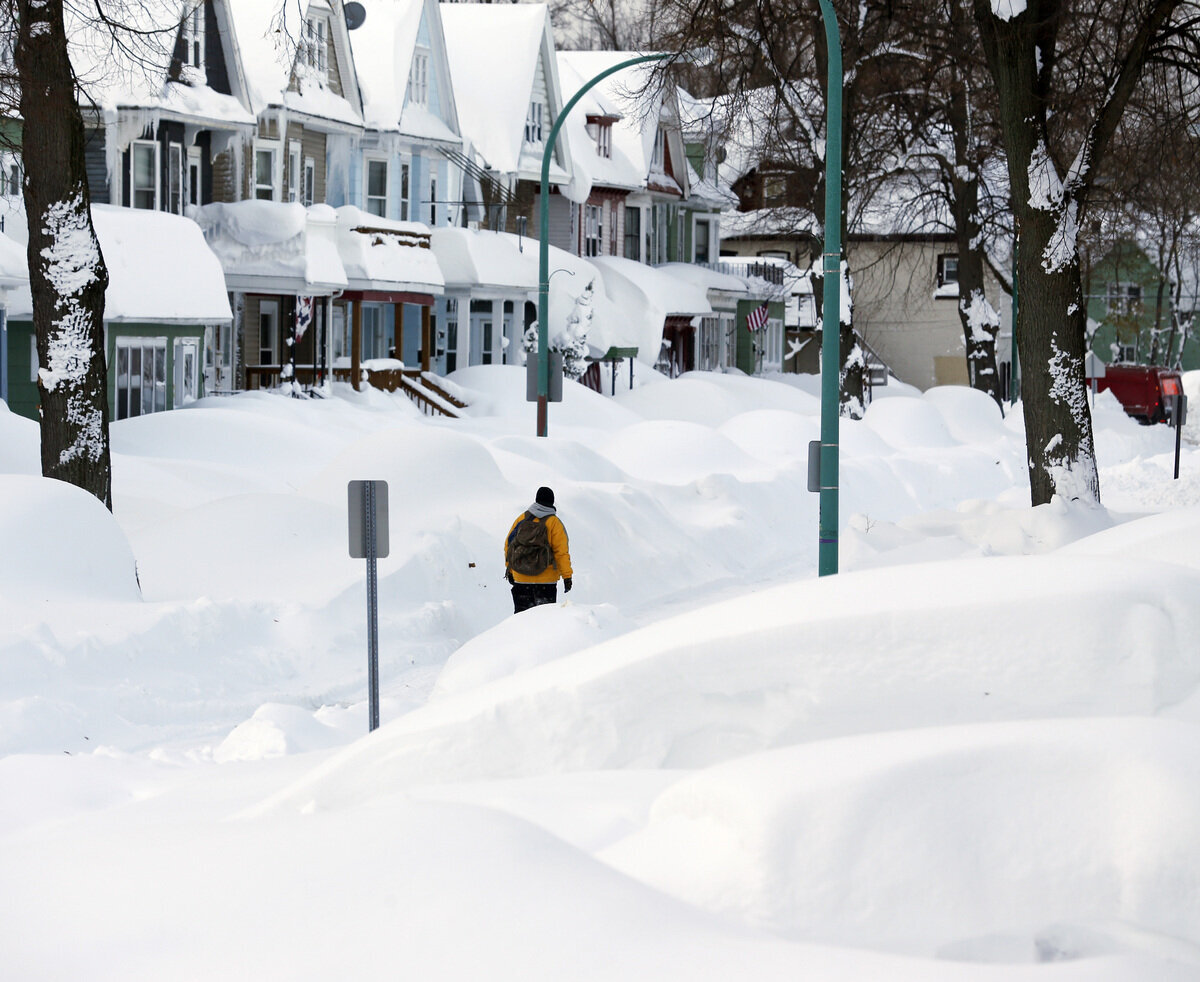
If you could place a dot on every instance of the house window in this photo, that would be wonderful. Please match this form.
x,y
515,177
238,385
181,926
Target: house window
x,y
313,50
265,157
947,268
659,158
1125,354
10,175
600,130
633,233
451,335
774,188
701,242
175,178
193,176
187,371
593,240
695,156
1124,298
268,330
418,78
293,171
405,172
193,37
143,174
310,181
432,201
376,187
533,123
141,376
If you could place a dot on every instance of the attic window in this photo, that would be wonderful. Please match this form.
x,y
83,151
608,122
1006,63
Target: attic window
x,y
313,49
1124,298
600,129
533,123
658,161
418,79
193,37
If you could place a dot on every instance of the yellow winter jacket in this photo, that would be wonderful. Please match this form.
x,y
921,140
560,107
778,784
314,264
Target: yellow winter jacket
x,y
561,565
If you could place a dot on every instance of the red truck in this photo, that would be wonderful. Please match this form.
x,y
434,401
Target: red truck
x,y
1140,389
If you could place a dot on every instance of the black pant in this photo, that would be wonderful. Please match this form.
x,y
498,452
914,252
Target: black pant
x,y
526,595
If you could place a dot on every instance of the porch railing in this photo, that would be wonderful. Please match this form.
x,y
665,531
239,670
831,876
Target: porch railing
x,y
430,392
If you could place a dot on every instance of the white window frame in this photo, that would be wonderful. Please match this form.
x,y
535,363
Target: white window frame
x,y
293,170
315,47
1123,296
373,201
310,182
274,148
153,147
658,160
601,133
947,268
187,376
405,190
192,177
533,123
130,385
176,195
708,241
593,230
432,200
418,78
10,175
268,341
193,36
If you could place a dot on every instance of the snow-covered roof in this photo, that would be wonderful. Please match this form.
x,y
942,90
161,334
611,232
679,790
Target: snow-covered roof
x,y
275,246
126,70
709,279
634,94
383,52
267,33
14,269
647,296
160,270
627,167
494,50
380,254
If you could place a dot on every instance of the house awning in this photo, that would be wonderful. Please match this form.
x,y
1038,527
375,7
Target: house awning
x,y
381,256
271,247
160,271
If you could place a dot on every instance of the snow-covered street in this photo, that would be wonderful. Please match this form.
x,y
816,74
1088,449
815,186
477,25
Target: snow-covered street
x,y
974,754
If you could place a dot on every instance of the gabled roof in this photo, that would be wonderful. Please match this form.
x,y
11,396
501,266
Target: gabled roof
x,y
267,33
383,52
128,69
626,167
643,105
494,52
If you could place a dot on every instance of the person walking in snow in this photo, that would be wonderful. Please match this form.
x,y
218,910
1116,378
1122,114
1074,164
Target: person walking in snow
x,y
536,554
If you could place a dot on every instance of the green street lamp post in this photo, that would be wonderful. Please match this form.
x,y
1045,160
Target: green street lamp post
x,y
543,352
827,556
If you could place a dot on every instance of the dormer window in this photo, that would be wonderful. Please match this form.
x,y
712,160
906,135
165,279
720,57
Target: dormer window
x,y
313,50
193,37
600,130
659,159
418,79
533,123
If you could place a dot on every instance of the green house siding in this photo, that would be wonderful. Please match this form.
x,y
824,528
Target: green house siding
x,y
1129,323
746,357
22,375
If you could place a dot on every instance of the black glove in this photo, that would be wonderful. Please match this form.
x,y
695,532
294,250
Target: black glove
x,y
508,576
566,584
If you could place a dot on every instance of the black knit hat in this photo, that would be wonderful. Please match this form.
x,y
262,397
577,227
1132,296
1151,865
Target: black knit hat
x,y
545,497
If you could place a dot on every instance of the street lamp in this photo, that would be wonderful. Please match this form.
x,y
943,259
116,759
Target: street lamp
x,y
827,532
700,57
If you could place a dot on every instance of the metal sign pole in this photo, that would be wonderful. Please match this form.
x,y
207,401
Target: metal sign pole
x,y
372,606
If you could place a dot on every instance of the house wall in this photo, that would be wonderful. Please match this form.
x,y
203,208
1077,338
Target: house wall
x,y
918,335
23,398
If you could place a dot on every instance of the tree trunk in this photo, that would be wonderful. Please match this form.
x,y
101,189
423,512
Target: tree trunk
x,y
980,320
67,275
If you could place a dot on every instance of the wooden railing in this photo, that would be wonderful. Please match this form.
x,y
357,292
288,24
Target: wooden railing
x,y
427,390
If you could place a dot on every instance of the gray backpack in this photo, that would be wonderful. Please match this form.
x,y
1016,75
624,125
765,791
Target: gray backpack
x,y
528,549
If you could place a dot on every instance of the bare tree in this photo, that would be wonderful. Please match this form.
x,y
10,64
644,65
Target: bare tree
x,y
1064,71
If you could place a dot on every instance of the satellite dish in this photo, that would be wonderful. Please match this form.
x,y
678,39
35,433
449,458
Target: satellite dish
x,y
355,15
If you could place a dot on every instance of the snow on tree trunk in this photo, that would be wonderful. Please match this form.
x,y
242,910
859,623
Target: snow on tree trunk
x,y
67,275
572,339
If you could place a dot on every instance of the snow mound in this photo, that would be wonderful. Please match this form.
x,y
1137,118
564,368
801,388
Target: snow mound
x,y
908,424
862,839
20,443
522,642
274,731
61,543
676,452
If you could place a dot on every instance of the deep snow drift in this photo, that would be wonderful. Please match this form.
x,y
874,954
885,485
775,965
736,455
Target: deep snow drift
x,y
974,754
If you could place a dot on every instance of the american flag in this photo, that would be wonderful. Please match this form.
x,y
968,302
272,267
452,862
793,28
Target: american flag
x,y
756,318
304,310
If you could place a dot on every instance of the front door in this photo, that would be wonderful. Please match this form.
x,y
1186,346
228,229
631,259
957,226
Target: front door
x,y
187,371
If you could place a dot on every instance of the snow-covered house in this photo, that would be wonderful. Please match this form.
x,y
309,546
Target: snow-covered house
x,y
165,296
506,88
403,168
636,123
